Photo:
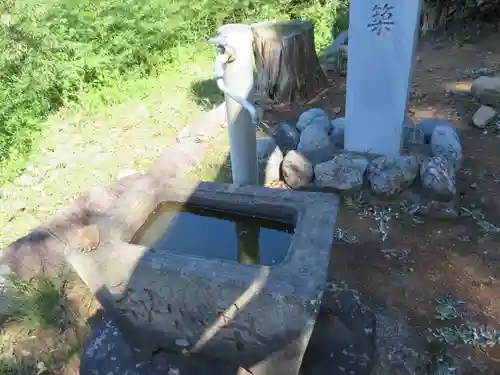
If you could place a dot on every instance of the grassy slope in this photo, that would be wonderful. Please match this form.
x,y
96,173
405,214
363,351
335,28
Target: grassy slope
x,y
85,148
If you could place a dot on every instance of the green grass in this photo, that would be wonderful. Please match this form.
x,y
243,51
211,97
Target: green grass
x,y
89,144
85,53
216,165
39,302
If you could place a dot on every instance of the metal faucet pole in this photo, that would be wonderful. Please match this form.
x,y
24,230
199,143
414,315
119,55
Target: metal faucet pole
x,y
233,72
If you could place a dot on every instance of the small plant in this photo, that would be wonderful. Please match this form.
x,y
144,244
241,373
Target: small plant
x,y
39,302
448,308
344,235
468,334
410,210
355,201
382,216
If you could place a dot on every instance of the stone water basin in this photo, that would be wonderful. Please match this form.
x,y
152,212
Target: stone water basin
x,y
254,302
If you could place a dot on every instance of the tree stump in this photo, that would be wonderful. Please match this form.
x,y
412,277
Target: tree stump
x,y
285,57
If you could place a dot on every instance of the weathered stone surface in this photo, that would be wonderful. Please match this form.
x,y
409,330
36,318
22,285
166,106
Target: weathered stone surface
x,y
446,144
390,175
483,116
269,168
428,126
413,136
343,172
342,341
314,137
487,90
320,155
438,179
287,137
337,131
109,352
316,115
297,170
198,295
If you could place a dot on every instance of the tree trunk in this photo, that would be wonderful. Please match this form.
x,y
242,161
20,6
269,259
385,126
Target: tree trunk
x,y
437,14
285,57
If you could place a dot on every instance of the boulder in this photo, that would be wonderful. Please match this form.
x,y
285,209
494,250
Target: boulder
x,y
438,179
446,144
428,126
483,117
265,147
269,168
389,175
337,131
487,90
343,172
314,137
316,115
297,170
287,137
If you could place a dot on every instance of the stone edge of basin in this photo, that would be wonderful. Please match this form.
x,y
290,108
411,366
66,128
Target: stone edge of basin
x,y
42,252
302,273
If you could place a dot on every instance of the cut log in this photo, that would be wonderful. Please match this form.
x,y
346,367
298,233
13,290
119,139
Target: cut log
x,y
287,65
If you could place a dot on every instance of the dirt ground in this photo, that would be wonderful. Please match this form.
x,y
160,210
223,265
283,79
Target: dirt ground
x,y
420,263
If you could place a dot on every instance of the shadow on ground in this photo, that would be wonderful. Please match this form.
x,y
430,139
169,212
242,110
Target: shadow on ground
x,y
206,93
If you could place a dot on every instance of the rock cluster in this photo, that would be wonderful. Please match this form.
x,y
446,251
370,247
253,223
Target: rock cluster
x,y
311,154
486,90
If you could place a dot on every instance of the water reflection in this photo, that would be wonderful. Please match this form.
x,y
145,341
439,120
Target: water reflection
x,y
215,234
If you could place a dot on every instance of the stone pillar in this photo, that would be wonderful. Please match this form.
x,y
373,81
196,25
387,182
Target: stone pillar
x,y
382,39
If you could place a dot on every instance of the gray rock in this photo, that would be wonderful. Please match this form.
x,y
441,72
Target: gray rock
x,y
313,137
316,115
320,155
438,179
483,117
428,126
337,131
287,137
265,147
297,170
413,136
343,172
487,90
446,144
389,175
270,167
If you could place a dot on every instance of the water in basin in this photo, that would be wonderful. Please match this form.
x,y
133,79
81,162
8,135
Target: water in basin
x,y
215,234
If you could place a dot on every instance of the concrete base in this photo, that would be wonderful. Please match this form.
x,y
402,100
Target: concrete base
x,y
257,317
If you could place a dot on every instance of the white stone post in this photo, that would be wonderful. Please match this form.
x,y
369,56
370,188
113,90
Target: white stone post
x,y
382,40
